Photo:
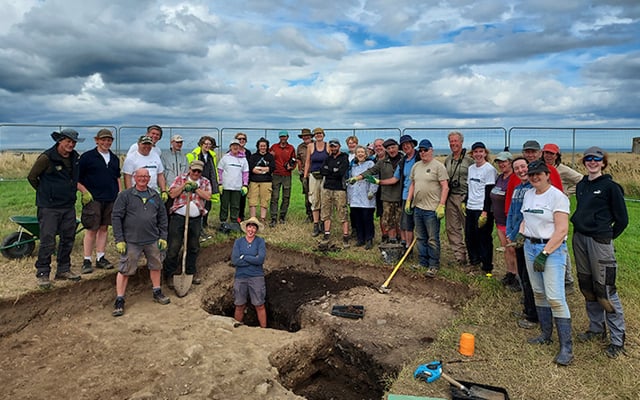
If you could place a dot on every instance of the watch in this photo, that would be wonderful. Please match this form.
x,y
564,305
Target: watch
x,y
546,253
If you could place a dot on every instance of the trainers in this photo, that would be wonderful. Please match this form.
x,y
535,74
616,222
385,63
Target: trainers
x,y
431,272
613,351
44,282
590,335
526,324
118,307
103,263
345,240
159,297
86,267
68,275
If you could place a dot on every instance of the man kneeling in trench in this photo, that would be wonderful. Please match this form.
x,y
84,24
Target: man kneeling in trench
x,y
248,257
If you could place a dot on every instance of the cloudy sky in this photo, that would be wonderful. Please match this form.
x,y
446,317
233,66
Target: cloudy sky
x,y
347,63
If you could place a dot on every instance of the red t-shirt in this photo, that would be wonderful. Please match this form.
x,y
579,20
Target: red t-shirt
x,y
514,181
282,156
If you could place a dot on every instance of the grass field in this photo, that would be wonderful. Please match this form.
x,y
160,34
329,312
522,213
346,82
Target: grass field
x,y
502,357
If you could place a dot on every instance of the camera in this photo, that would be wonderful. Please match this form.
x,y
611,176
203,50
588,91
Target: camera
x,y
291,164
454,183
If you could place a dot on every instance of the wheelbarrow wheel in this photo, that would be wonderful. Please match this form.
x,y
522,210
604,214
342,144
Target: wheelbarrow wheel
x,y
12,250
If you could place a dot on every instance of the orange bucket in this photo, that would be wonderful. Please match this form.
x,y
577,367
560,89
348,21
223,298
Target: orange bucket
x,y
467,344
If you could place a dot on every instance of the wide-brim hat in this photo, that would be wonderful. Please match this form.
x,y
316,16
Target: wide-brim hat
x,y
66,133
253,220
305,132
407,138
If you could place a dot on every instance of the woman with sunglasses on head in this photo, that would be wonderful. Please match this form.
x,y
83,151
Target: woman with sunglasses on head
x,y
600,216
543,231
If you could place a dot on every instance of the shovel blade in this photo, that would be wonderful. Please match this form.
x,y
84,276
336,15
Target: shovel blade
x,y
486,394
182,284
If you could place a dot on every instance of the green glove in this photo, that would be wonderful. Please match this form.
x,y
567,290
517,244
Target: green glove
x,y
190,186
520,238
215,198
482,220
220,189
463,209
121,247
352,181
440,211
164,196
244,190
86,198
407,207
162,244
539,262
372,179
370,195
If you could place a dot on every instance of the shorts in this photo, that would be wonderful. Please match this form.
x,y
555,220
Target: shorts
x,y
129,261
315,192
96,214
259,193
254,287
337,199
391,214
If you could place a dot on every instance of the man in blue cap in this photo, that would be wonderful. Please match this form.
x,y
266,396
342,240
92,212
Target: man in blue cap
x,y
54,176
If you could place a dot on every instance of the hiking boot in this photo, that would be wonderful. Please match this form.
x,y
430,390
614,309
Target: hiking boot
x,y
282,221
204,236
431,272
103,263
118,307
590,335
196,281
68,276
526,324
326,237
508,279
159,297
368,244
613,351
86,267
272,224
514,287
345,240
316,229
359,243
44,282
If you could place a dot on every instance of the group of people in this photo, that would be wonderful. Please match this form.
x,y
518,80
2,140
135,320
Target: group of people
x,y
409,190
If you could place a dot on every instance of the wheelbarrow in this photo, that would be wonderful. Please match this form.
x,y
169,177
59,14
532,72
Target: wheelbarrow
x,y
22,243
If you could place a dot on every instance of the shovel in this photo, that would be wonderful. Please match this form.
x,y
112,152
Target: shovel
x,y
475,391
183,281
384,289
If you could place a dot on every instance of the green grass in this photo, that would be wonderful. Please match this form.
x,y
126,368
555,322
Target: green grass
x,y
502,356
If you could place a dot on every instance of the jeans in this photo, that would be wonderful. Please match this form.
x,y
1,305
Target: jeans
x,y
427,237
283,182
548,286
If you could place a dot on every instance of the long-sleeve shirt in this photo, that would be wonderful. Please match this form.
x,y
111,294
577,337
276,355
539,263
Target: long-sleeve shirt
x,y
514,215
358,193
139,217
600,210
248,258
334,170
233,171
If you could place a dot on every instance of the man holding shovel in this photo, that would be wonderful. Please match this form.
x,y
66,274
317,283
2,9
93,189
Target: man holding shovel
x,y
190,191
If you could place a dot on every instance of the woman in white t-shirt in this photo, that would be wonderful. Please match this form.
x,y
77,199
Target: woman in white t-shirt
x,y
544,231
481,179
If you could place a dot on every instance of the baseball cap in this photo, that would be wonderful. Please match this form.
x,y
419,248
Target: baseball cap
x,y
504,156
334,142
283,134
177,138
144,139
234,141
594,151
389,142
537,166
531,145
197,165
104,133
478,145
551,148
425,144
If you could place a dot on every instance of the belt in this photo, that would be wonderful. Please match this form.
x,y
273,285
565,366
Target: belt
x,y
537,240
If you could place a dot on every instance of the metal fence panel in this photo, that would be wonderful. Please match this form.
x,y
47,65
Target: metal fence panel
x,y
494,138
128,135
37,137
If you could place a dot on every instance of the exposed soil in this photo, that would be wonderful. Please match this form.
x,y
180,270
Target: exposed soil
x,y
64,343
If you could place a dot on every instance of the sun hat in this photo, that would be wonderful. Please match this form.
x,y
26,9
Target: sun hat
x,y
304,132
66,133
251,221
408,138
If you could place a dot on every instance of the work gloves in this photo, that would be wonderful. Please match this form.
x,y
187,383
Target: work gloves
x,y
162,244
407,207
121,247
463,209
164,196
440,211
215,198
190,186
220,189
86,198
482,220
352,181
372,179
244,190
519,240
539,262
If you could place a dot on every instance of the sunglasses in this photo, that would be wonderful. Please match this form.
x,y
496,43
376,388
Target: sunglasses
x,y
196,170
423,150
242,138
593,158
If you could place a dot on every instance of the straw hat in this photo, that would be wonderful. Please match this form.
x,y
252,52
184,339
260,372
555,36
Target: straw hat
x,y
252,220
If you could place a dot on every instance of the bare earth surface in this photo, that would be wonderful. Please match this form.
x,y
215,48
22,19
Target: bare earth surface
x,y
64,343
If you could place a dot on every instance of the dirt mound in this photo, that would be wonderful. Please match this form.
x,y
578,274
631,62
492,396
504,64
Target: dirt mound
x,y
65,342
